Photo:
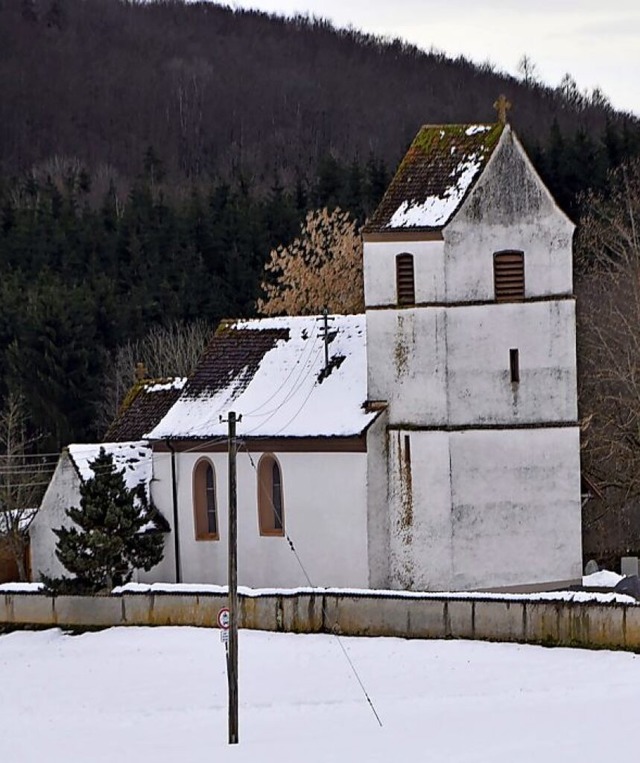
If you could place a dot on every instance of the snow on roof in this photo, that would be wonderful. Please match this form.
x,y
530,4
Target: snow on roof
x,y
144,406
272,371
436,175
133,457
165,386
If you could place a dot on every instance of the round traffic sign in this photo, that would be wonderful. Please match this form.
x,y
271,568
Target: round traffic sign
x,y
223,618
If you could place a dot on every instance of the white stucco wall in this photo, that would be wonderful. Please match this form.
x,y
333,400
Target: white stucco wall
x,y
450,366
62,493
479,339
380,271
325,510
509,208
484,508
378,503
420,511
406,363
516,507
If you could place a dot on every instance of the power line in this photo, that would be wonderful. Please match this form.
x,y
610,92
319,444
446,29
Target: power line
x,y
25,470
286,400
308,368
278,514
207,443
45,456
25,484
303,364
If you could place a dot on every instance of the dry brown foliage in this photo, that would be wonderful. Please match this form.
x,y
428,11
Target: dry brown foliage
x,y
321,268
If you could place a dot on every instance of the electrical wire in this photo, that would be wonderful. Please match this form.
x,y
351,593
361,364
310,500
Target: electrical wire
x,y
24,484
252,413
278,514
28,468
309,369
31,455
205,444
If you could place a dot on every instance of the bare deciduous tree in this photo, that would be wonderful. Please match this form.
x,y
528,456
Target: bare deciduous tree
x,y
165,352
528,70
23,480
321,268
609,352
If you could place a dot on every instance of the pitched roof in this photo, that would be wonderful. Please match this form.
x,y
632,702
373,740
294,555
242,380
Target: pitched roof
x,y
133,457
435,176
272,371
144,406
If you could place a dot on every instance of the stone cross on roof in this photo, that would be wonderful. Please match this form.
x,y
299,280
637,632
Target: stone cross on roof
x,y
502,105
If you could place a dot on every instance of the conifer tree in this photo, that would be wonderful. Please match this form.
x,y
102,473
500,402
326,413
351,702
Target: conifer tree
x,y
115,532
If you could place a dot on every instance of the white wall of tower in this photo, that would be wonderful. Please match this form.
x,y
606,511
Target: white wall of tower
x,y
484,472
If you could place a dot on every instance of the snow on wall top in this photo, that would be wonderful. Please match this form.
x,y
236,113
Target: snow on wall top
x,y
434,178
133,457
272,371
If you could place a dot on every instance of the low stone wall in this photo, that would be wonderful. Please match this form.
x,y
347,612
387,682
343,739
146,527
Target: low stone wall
x,y
551,622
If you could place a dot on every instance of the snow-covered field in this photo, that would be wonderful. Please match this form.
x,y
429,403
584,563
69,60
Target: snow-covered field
x,y
159,695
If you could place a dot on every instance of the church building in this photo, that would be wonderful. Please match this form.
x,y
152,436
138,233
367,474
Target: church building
x,y
429,444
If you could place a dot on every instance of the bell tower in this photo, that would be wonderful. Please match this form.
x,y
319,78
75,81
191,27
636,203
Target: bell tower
x,y
471,343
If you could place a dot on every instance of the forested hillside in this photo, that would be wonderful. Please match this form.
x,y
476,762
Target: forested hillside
x,y
216,91
151,156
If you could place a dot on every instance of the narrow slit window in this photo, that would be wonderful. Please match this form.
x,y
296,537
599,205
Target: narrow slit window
x,y
514,365
405,281
508,276
270,497
205,501
407,449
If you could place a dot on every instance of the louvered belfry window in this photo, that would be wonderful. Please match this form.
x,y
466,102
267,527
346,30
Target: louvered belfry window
x,y
405,284
508,276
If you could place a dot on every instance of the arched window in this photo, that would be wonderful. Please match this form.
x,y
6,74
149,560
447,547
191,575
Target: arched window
x,y
270,497
205,501
405,282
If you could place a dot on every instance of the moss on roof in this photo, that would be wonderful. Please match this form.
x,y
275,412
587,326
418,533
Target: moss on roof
x,y
437,173
144,405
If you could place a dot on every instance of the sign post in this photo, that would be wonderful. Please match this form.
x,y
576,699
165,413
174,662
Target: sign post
x,y
232,654
223,624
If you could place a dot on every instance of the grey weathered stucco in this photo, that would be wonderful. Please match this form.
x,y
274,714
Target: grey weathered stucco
x,y
483,472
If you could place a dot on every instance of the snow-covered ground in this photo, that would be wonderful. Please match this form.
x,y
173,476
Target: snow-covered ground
x,y
159,695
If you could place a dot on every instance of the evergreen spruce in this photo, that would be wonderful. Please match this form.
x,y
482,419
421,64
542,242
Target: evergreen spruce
x,y
112,536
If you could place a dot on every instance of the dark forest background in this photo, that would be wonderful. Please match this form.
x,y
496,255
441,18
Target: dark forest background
x,y
151,156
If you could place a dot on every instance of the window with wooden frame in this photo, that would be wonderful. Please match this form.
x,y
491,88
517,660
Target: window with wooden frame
x,y
205,506
508,276
405,280
270,497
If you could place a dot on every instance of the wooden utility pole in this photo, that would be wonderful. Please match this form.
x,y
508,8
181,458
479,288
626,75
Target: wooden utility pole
x,y
324,334
232,654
